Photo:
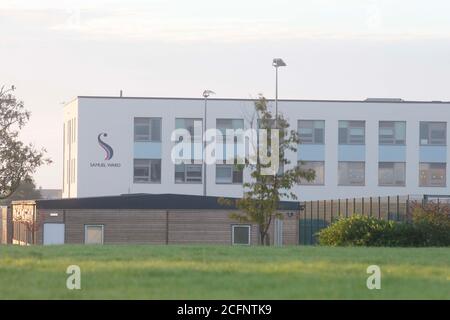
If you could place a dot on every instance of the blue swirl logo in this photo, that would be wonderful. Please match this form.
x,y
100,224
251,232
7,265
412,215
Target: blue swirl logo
x,y
109,151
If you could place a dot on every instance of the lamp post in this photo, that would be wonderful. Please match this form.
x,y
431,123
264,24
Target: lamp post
x,y
277,62
206,94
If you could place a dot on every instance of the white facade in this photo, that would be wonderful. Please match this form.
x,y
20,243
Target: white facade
x,y
87,173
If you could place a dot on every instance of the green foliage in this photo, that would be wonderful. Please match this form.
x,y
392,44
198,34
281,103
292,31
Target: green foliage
x,y
17,159
262,194
356,230
26,191
433,222
430,226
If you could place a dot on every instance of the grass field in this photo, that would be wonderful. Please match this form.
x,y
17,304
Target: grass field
x,y
211,272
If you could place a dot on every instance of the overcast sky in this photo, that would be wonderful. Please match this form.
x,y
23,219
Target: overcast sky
x,y
335,49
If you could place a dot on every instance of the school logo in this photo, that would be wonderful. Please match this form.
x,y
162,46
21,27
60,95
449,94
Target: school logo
x,y
109,151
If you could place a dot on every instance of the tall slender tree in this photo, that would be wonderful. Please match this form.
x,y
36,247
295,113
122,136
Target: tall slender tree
x,y
262,195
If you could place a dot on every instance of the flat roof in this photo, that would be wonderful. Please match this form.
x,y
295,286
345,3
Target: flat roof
x,y
143,201
368,100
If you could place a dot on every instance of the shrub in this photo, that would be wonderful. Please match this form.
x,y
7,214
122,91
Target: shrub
x,y
433,221
356,230
403,234
429,226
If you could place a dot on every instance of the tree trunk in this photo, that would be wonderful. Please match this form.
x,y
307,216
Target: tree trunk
x,y
262,237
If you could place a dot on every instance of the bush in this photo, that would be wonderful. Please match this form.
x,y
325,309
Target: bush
x,y
433,221
356,230
403,234
429,226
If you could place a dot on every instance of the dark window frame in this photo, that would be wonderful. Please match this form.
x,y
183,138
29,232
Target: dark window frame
x,y
313,127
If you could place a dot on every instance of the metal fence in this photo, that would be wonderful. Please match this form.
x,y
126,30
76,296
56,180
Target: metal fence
x,y
317,215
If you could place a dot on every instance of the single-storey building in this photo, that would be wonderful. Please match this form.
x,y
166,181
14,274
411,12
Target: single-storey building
x,y
143,219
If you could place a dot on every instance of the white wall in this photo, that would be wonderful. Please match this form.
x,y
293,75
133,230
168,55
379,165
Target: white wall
x,y
115,117
70,152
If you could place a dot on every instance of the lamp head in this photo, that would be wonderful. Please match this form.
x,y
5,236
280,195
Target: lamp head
x,y
278,62
207,93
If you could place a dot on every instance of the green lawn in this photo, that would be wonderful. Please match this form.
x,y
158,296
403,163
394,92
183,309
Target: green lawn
x,y
216,272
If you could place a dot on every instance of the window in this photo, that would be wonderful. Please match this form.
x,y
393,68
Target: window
x,y
392,132
240,234
147,170
391,174
73,171
68,171
147,129
432,174
351,173
311,131
228,173
231,124
93,234
433,133
194,126
188,173
318,167
351,132
69,131
74,129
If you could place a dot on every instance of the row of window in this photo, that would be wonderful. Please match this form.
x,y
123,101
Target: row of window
x,y
149,171
310,131
389,132
240,234
69,138
350,173
389,173
149,129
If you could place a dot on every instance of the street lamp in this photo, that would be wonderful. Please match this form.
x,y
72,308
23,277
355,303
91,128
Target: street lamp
x,y
277,62
206,94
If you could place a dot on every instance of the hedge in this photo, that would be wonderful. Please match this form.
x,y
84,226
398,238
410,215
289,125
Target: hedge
x,y
428,226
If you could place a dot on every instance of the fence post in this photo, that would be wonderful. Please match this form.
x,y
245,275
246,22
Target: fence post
x,y
311,223
379,207
331,216
370,206
339,208
389,207
362,205
346,207
398,208
407,207
317,218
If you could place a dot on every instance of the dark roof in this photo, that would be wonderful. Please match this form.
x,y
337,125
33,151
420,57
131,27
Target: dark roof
x,y
145,201
368,100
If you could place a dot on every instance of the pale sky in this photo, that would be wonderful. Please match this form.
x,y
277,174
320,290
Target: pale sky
x,y
55,50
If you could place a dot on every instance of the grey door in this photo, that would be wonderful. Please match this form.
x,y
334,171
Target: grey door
x,y
54,233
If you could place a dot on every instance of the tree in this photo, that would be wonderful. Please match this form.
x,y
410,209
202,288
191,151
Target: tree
x,y
18,161
26,191
263,193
